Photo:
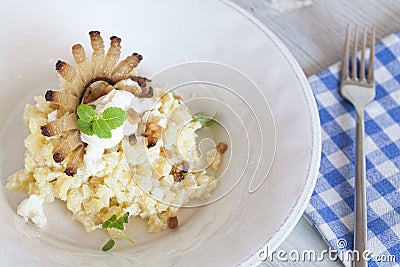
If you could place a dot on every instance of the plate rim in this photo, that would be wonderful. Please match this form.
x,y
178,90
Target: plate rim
x,y
284,230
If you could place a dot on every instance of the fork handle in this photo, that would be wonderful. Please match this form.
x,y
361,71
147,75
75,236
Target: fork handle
x,y
360,231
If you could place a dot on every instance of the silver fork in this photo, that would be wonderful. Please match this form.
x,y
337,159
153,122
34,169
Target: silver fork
x,y
359,90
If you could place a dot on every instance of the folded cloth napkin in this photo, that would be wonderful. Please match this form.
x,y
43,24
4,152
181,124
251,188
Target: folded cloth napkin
x,y
332,203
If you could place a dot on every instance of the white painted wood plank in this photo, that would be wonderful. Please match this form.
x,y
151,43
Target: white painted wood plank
x,y
314,34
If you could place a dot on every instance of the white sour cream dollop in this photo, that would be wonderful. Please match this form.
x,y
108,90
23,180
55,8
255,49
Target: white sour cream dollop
x,y
115,98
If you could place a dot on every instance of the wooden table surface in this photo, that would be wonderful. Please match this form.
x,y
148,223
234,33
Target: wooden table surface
x,y
314,33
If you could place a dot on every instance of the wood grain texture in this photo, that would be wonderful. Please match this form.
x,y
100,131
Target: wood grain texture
x,y
315,35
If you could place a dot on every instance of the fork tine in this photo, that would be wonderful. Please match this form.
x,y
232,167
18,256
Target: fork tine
x,y
354,56
362,64
345,61
370,78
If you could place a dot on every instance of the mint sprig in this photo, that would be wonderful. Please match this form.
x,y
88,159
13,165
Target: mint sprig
x,y
86,112
205,121
91,123
114,117
101,128
115,223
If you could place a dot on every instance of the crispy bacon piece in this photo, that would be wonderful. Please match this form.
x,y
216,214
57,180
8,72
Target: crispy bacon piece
x,y
75,161
222,147
124,68
184,166
178,176
173,222
66,100
82,63
151,141
178,173
67,146
73,80
112,56
65,123
97,44
141,81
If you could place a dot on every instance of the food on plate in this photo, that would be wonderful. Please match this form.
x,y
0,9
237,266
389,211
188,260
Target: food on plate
x,y
112,145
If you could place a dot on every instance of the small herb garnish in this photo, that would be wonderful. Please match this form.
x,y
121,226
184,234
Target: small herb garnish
x,y
115,223
101,125
205,120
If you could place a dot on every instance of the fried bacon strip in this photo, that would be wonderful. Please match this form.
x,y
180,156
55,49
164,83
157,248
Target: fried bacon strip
x,y
75,161
69,74
82,63
67,146
97,44
140,80
65,123
112,56
66,100
124,68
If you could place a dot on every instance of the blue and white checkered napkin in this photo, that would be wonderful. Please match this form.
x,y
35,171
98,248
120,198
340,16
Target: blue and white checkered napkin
x,y
332,203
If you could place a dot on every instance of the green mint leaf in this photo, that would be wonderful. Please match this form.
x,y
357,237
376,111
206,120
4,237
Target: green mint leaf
x,y
205,120
125,217
114,222
110,222
117,223
86,113
85,127
114,117
106,225
212,121
109,245
200,119
93,107
113,218
199,116
101,128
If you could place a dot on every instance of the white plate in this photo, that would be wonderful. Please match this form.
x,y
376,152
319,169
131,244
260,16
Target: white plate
x,y
167,33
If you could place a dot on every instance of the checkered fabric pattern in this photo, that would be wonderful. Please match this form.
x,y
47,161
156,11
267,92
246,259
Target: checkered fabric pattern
x,y
332,203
